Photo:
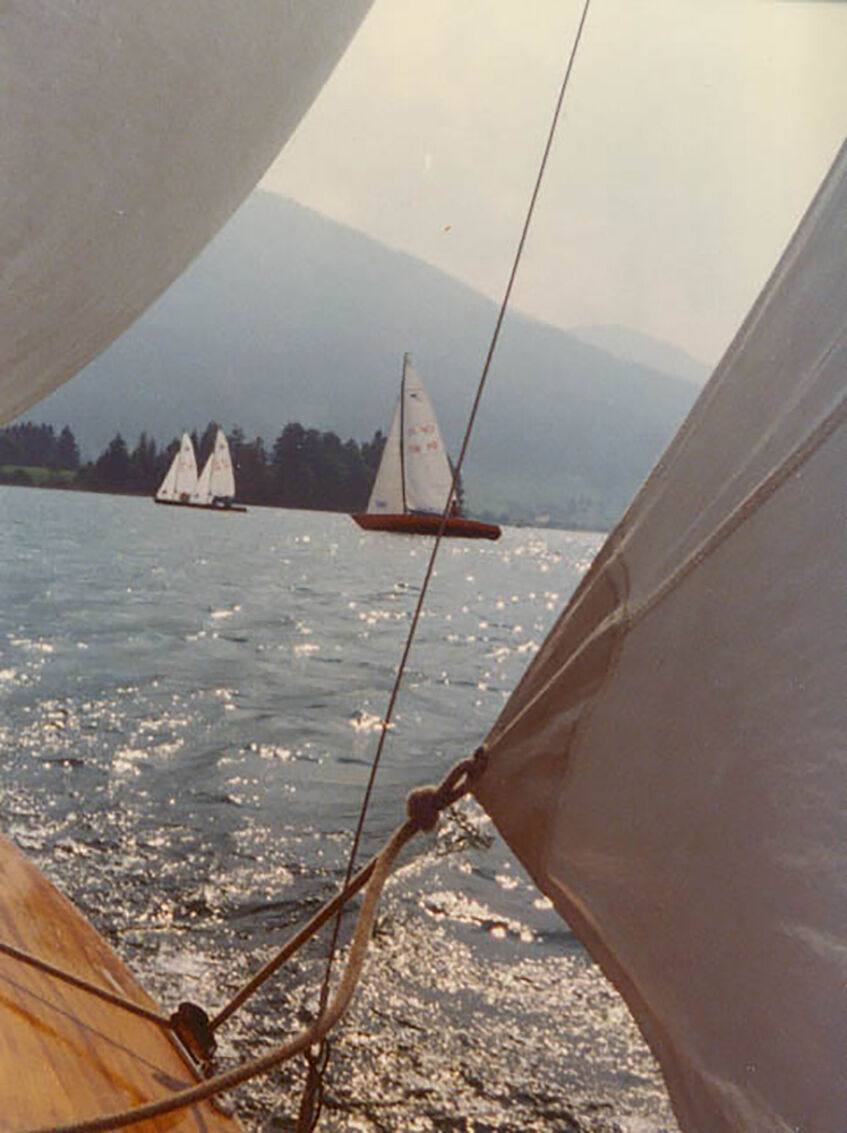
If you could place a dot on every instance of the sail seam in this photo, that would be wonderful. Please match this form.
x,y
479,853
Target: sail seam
x,y
627,616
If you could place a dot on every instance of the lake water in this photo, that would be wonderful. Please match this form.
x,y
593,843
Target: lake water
x,y
188,708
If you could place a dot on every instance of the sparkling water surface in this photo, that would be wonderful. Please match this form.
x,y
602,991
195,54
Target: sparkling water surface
x,y
189,707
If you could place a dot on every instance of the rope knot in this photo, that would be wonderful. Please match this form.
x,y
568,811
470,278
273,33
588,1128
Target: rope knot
x,y
423,806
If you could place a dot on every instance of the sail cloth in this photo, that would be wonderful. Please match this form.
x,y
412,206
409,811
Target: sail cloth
x,y
386,496
427,469
414,472
180,481
134,130
672,769
217,480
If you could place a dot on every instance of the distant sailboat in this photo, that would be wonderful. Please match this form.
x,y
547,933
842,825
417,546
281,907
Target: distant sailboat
x,y
216,486
181,479
213,490
414,478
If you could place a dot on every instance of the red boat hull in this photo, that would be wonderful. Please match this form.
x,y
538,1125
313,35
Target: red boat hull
x,y
457,525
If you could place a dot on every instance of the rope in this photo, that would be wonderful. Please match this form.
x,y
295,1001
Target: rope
x,y
456,476
75,981
450,495
424,804
311,1101
421,806
308,1037
293,944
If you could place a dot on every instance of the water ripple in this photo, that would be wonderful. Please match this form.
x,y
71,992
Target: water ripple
x,y
183,747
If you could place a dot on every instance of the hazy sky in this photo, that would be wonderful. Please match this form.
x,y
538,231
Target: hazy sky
x,y
694,134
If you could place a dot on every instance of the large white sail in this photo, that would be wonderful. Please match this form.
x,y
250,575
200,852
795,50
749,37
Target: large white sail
x,y
133,131
672,769
180,482
414,473
217,480
425,464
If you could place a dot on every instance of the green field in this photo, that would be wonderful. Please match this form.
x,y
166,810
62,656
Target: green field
x,y
38,475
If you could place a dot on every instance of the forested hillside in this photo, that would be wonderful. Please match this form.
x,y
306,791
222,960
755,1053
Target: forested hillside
x,y
303,468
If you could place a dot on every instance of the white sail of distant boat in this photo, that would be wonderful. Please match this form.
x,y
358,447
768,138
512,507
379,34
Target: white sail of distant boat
x,y
414,473
180,482
672,768
216,483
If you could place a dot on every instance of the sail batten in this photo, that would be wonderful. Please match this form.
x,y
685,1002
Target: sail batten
x,y
672,769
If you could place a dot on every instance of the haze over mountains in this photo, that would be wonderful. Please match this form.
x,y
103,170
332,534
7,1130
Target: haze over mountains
x,y
290,316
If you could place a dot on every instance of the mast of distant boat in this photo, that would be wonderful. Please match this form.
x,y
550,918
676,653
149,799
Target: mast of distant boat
x,y
403,434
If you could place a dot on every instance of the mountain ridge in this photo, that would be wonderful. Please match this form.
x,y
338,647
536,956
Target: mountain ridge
x,y
633,346
290,316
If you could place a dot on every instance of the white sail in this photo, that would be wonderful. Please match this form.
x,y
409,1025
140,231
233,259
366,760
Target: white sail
x,y
427,470
202,494
217,480
223,478
180,483
414,452
387,493
133,131
672,769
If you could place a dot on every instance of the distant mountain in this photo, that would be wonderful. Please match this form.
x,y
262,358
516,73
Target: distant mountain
x,y
632,346
290,316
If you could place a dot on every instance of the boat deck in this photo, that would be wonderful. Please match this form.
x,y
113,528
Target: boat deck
x,y
65,1055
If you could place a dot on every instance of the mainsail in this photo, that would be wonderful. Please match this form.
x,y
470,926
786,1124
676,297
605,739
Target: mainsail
x,y
414,473
672,769
180,482
134,130
217,480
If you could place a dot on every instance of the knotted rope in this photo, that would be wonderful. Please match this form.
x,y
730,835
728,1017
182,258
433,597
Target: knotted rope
x,y
457,470
423,806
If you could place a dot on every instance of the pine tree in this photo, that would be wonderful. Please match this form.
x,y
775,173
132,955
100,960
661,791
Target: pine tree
x,y
67,452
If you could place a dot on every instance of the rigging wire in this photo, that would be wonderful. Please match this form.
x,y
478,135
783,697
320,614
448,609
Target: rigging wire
x,y
423,806
386,722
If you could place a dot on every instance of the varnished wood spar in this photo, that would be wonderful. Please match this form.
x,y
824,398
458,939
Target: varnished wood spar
x,y
65,1055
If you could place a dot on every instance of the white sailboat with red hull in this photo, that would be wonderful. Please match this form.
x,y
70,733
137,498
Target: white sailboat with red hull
x,y
414,479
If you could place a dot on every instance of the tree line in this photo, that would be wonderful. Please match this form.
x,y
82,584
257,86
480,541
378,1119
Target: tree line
x,y
38,446
303,468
